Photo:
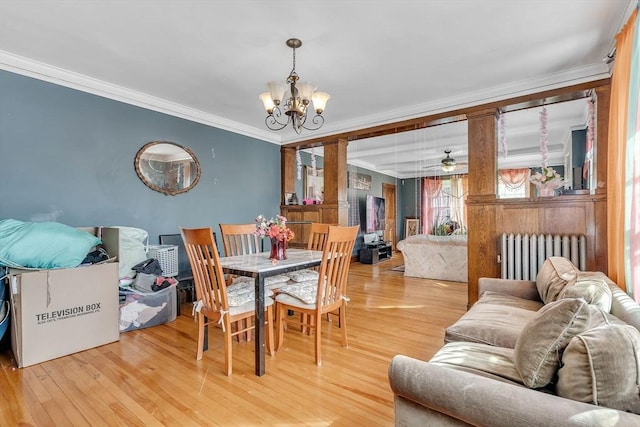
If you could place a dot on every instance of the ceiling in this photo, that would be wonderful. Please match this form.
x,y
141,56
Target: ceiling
x,y
381,61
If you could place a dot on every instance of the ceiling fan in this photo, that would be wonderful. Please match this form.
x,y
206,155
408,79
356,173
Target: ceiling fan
x,y
449,164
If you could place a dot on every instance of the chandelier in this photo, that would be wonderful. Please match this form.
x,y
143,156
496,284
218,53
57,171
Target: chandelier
x,y
291,107
448,164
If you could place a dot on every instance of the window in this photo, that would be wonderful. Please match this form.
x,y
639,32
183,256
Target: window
x,y
443,205
513,183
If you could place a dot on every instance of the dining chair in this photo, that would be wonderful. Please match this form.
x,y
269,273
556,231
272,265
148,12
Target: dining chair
x,y
185,277
239,239
324,296
317,236
213,305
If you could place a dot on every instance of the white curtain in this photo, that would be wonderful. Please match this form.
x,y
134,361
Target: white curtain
x,y
459,190
430,203
444,202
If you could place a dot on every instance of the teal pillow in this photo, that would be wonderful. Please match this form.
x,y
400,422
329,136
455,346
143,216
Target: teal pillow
x,y
44,245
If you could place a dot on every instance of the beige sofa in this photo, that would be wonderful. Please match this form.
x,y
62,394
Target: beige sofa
x,y
563,351
435,257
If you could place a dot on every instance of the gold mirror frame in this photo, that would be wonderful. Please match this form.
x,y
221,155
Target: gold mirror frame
x,y
167,167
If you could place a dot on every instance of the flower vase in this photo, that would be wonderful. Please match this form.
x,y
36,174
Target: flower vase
x,y
546,191
278,249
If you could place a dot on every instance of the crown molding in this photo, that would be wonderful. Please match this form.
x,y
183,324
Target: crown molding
x,y
41,71
538,84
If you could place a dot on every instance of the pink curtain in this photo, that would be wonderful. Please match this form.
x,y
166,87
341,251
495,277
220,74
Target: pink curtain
x,y
514,178
430,190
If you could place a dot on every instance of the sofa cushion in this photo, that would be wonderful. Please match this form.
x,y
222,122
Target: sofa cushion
x,y
554,275
481,359
601,366
599,317
495,319
591,286
539,348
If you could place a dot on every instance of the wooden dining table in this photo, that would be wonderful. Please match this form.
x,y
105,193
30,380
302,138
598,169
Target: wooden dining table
x,y
259,266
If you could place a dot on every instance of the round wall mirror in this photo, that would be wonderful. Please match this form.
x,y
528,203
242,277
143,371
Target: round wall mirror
x,y
167,167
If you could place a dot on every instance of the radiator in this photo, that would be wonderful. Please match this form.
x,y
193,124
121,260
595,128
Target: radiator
x,y
524,254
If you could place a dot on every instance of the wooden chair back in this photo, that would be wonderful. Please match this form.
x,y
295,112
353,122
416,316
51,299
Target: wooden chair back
x,y
317,236
208,277
334,270
239,239
211,291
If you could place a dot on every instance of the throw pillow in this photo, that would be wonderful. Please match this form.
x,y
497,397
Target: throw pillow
x,y
539,347
43,244
602,366
554,275
592,287
599,317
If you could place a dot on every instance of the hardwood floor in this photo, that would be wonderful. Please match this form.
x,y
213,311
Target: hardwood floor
x,y
151,377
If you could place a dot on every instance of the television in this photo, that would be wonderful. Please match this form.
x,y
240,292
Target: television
x,y
374,214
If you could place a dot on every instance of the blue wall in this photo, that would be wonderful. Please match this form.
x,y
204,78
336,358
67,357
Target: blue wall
x,y
409,197
67,156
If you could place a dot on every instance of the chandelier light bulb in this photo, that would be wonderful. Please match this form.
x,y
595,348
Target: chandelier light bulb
x,y
268,103
320,101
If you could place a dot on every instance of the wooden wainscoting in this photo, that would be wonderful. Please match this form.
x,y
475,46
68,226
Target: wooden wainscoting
x,y
300,218
490,217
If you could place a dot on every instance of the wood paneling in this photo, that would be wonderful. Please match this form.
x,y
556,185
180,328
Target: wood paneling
x,y
482,147
389,195
306,214
554,215
488,217
603,94
288,174
518,102
335,172
482,246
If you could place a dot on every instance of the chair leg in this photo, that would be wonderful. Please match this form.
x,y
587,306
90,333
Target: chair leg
x,y
269,327
310,322
200,319
227,349
318,324
343,324
280,313
247,324
305,320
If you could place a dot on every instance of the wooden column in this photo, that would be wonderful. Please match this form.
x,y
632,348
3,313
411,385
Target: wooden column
x,y
600,157
482,245
287,172
334,209
335,202
601,165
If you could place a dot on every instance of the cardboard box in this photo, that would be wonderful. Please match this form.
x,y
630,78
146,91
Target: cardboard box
x,y
59,312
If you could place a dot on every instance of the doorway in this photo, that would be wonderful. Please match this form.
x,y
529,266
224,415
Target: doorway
x,y
389,195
